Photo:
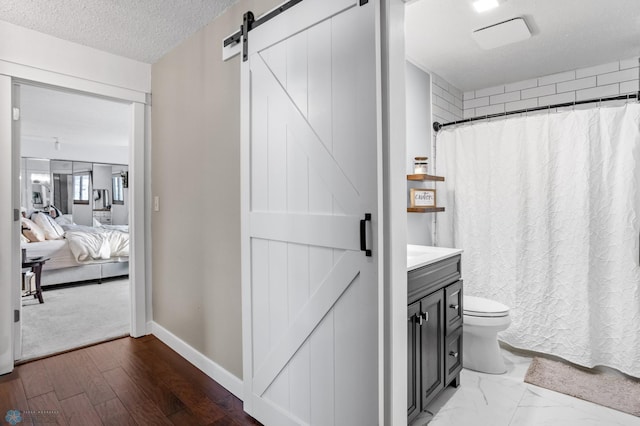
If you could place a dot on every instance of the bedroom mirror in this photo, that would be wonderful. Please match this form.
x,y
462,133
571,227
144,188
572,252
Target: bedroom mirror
x,y
35,183
81,182
119,182
82,210
62,186
91,194
120,194
101,200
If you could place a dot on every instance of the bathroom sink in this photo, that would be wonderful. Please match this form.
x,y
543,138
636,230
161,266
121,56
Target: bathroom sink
x,y
412,251
418,256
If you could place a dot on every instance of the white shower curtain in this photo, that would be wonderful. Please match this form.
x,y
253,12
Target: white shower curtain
x,y
547,211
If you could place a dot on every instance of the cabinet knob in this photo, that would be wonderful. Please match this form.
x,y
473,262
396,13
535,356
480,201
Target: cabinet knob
x,y
453,354
422,317
452,306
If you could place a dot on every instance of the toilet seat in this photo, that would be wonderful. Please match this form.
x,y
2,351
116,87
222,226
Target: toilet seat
x,y
485,308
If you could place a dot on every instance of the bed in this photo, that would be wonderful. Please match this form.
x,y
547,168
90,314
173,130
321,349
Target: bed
x,y
83,254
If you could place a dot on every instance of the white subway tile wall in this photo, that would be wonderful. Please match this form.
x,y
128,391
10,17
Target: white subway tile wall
x,y
539,91
447,100
492,109
557,78
573,85
615,78
524,104
520,85
557,99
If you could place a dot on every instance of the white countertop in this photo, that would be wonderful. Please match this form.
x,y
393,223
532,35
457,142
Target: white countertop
x,y
418,256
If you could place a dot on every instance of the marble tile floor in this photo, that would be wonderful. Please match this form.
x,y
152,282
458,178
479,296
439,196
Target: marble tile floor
x,y
505,400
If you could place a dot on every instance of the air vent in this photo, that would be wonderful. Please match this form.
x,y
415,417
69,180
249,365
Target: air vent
x,y
501,34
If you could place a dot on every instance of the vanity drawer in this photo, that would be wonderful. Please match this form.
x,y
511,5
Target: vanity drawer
x,y
453,355
430,278
453,306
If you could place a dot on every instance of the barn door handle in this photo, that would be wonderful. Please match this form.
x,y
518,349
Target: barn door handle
x,y
363,234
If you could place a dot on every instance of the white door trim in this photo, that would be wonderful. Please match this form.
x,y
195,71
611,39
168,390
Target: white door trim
x,y
137,243
395,226
27,73
8,229
9,235
15,239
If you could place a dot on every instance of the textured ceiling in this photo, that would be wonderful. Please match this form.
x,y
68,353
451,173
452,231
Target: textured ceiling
x,y
567,34
143,30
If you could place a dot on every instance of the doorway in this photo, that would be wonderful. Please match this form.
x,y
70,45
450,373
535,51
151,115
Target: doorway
x,y
10,255
74,202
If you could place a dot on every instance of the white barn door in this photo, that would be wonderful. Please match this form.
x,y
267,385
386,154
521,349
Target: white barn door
x,y
311,154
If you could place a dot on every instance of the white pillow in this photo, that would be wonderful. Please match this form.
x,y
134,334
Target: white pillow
x,y
52,231
24,239
32,231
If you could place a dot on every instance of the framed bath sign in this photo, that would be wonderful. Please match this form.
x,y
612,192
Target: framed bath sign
x,y
423,197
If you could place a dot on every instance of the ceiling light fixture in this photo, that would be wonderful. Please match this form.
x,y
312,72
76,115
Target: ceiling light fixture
x,y
484,5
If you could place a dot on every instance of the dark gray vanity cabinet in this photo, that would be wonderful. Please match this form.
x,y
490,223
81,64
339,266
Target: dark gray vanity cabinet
x,y
434,327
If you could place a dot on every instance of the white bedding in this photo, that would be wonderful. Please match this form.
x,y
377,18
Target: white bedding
x,y
95,229
88,247
57,250
82,245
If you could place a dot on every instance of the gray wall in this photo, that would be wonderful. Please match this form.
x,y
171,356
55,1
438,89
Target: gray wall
x,y
418,83
195,164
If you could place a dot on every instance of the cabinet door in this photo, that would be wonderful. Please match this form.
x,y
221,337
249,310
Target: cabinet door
x,y
453,301
413,361
431,346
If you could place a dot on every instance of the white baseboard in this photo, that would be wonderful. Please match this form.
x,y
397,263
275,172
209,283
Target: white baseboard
x,y
208,367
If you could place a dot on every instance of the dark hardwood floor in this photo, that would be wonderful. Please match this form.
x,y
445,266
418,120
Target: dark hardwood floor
x,y
122,382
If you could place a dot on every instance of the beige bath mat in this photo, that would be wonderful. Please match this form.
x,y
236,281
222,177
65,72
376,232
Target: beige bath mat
x,y
606,389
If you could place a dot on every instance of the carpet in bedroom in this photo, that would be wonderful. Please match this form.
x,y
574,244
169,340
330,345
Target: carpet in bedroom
x,y
75,316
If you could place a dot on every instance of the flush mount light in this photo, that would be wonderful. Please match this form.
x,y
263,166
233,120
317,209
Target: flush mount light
x,y
484,5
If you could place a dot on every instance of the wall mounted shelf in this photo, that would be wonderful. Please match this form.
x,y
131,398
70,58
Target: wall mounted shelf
x,y
424,209
425,178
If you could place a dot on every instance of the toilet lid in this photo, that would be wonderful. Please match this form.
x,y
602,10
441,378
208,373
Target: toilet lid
x,y
481,307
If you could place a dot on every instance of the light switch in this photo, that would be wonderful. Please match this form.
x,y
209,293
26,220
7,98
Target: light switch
x,y
156,203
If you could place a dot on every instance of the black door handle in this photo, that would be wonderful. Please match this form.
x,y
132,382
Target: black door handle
x,y
363,234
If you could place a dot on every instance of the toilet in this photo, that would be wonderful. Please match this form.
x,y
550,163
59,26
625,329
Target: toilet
x,y
482,320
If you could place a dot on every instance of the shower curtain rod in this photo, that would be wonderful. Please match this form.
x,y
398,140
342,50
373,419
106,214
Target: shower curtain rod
x,y
437,126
